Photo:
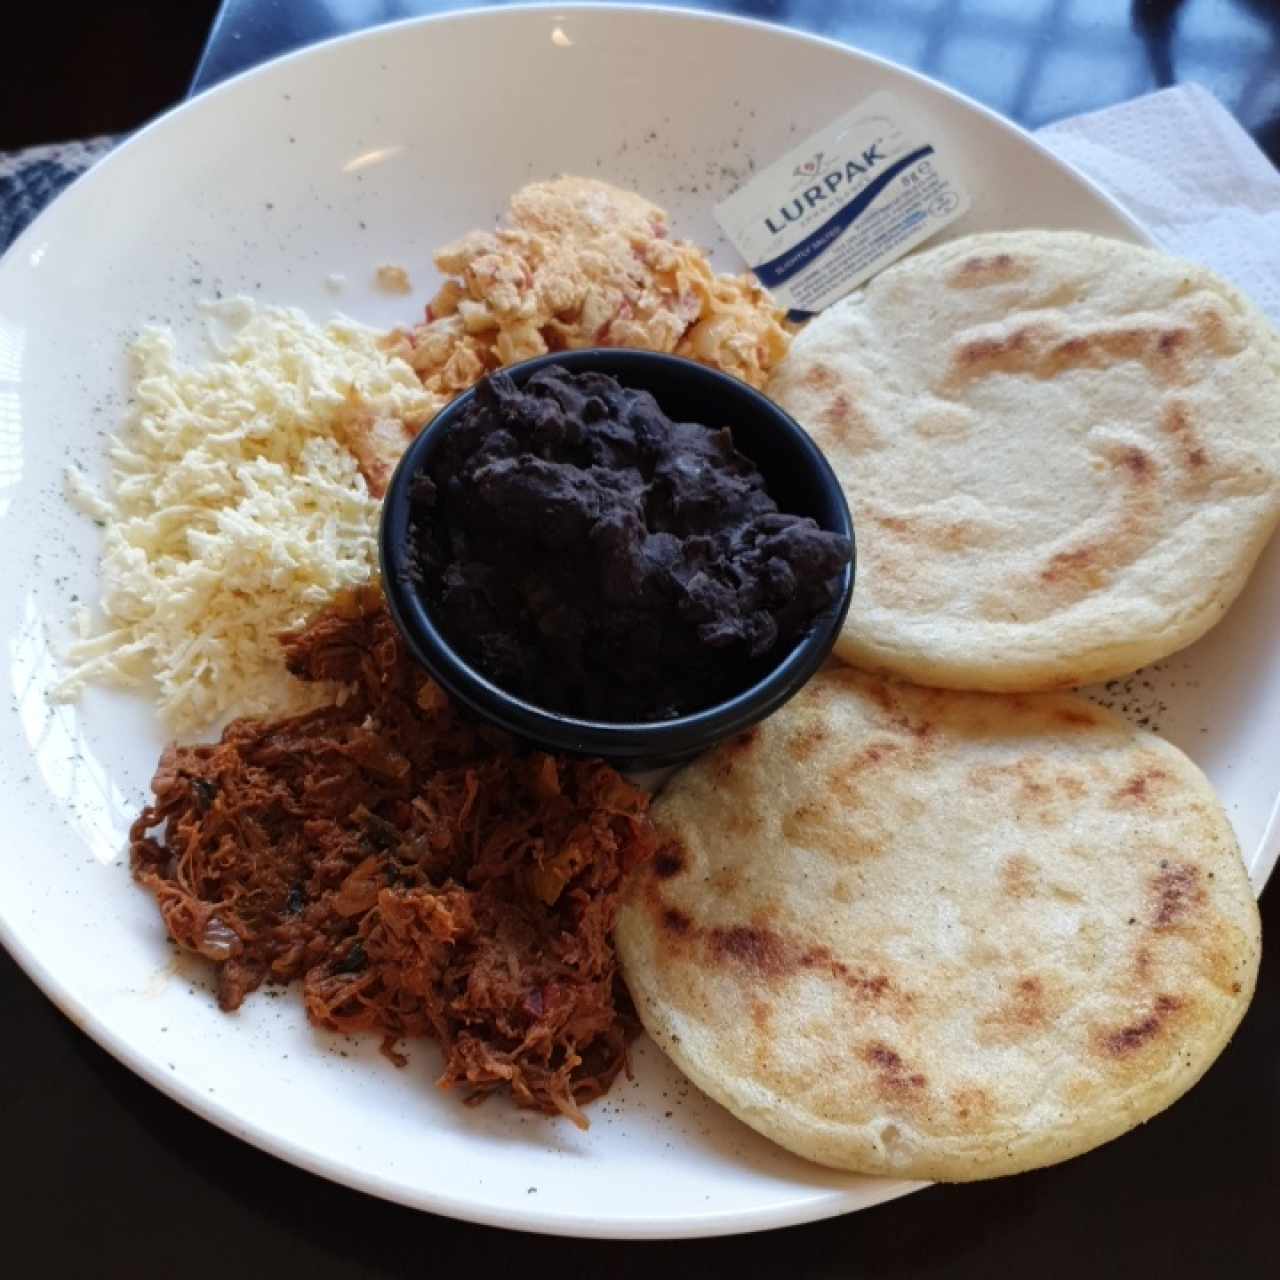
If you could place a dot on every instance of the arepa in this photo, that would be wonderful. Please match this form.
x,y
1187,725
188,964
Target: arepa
x,y
941,935
1062,454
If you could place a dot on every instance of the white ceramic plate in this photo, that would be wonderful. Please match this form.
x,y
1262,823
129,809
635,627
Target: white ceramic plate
x,y
375,149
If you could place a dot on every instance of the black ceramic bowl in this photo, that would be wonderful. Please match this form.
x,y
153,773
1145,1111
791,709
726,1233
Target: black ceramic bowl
x,y
799,479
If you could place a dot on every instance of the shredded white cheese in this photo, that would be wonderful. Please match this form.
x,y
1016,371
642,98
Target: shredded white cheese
x,y
234,511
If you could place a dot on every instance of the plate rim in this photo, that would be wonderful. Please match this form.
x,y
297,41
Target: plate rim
x,y
491,12
831,1204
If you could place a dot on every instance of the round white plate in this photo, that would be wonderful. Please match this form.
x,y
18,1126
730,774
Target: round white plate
x,y
377,149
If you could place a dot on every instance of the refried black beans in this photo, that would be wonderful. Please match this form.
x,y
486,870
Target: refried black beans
x,y
593,557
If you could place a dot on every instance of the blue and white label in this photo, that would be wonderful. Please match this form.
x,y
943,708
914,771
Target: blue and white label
x,y
842,206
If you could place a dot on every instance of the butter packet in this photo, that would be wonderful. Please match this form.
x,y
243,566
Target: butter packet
x,y
843,205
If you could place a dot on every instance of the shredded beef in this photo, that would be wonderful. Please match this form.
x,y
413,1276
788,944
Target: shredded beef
x,y
418,872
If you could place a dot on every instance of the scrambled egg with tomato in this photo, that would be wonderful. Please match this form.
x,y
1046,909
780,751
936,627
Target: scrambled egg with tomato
x,y
581,263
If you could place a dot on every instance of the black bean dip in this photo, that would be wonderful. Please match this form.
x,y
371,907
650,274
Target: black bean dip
x,y
593,557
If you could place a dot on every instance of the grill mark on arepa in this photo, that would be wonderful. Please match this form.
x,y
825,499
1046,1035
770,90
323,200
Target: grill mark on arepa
x,y
1178,892
979,272
1138,464
1041,352
1080,563
736,749
1128,532
1034,785
1202,471
872,754
1018,876
1176,422
765,953
726,880
670,860
820,957
805,741
949,422
811,826
761,1013
769,954
884,696
892,1075
743,821
1138,789
676,921
1128,1039
1025,1009
982,357
895,524
1213,332
938,533
844,423
821,377
972,1102
756,948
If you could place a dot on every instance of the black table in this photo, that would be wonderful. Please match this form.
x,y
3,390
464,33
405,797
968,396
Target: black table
x,y
108,1178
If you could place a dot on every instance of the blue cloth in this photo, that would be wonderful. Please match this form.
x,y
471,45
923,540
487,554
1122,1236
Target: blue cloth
x,y
30,179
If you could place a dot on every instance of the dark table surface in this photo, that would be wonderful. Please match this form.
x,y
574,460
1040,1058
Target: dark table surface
x,y
106,1177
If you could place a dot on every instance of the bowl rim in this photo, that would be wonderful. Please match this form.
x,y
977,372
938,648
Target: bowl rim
x,y
409,609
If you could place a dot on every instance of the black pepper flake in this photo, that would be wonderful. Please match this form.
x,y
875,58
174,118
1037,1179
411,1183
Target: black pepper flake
x,y
380,833
205,792
353,961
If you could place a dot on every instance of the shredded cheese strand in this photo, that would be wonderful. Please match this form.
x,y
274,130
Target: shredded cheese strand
x,y
233,509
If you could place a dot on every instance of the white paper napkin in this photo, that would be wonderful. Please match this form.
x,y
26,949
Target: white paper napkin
x,y
1182,165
